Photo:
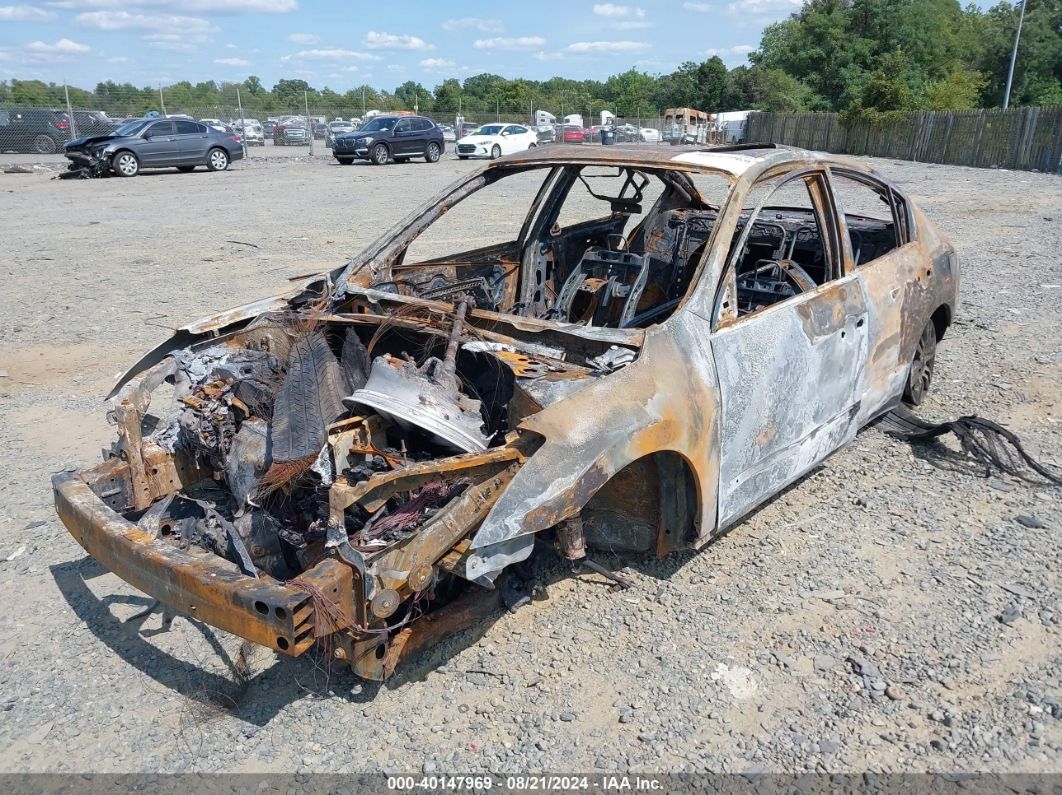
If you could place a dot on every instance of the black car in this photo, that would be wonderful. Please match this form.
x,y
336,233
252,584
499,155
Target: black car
x,y
267,128
153,143
33,130
397,138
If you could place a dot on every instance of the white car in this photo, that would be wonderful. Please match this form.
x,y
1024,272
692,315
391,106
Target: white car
x,y
495,140
251,130
651,135
217,124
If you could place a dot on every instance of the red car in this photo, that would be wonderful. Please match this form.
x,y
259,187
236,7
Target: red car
x,y
572,134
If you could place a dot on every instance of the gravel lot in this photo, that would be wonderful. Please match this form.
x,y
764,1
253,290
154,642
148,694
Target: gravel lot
x,y
887,559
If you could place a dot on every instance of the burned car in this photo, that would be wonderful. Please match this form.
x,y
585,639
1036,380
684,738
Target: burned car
x,y
643,348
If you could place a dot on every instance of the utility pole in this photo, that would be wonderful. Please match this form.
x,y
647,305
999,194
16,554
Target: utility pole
x,y
70,112
497,108
243,125
309,127
1013,57
363,103
162,100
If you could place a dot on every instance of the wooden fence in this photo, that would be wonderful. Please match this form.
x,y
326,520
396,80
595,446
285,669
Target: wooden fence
x,y
1029,139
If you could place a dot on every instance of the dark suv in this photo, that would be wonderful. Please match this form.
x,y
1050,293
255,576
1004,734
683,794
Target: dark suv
x,y
385,138
33,130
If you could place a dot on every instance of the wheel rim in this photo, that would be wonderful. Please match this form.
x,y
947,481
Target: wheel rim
x,y
127,165
44,145
433,152
219,160
495,152
379,154
922,365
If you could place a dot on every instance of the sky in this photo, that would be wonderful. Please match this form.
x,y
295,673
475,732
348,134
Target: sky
x,y
148,42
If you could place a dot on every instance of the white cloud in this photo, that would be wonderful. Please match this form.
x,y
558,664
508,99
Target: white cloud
x,y
334,54
764,9
606,47
437,64
63,46
118,59
391,41
304,38
176,42
613,10
24,14
731,54
703,8
474,23
232,61
125,20
517,43
631,24
200,6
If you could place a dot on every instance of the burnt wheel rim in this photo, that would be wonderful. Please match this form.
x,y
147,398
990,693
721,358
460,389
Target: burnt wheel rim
x,y
218,159
127,165
921,374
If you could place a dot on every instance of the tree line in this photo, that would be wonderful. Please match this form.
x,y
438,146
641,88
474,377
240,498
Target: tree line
x,y
860,57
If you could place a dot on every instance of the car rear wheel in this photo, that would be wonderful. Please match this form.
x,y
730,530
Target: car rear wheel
x,y
125,164
185,169
380,154
217,159
44,145
920,375
345,161
432,152
495,153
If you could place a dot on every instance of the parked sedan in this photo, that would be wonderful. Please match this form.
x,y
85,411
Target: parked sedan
x,y
153,143
651,135
495,140
252,132
386,138
337,128
635,365
572,134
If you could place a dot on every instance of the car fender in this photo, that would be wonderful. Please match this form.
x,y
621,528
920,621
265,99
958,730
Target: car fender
x,y
664,401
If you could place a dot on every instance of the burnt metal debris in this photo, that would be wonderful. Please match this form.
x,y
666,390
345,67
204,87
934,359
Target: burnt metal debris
x,y
385,441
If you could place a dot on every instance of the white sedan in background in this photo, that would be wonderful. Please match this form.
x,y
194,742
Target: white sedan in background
x,y
495,140
650,135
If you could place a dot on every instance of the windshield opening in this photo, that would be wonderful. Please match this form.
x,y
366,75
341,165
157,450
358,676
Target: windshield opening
x,y
131,127
615,247
378,125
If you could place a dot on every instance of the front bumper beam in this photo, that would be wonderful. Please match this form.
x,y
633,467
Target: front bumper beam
x,y
280,616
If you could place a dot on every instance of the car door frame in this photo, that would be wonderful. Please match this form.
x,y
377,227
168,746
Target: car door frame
x,y
404,140
193,147
790,375
159,151
895,286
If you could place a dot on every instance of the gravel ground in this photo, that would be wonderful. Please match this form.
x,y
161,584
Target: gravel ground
x,y
892,611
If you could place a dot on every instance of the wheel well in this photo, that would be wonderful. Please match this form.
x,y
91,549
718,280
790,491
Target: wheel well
x,y
941,320
652,503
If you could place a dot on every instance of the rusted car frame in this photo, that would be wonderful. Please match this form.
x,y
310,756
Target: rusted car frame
x,y
646,400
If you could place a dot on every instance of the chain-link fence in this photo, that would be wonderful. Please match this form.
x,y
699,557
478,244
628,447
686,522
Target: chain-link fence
x,y
43,130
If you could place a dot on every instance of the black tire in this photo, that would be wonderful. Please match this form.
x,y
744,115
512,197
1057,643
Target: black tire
x,y
186,169
125,164
432,152
217,159
920,373
44,145
345,161
380,154
531,146
495,152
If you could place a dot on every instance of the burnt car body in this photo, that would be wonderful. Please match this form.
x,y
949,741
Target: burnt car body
x,y
363,459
